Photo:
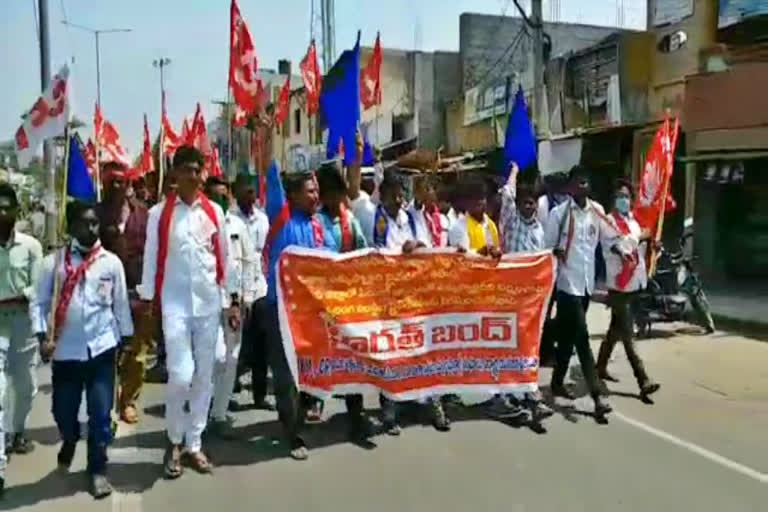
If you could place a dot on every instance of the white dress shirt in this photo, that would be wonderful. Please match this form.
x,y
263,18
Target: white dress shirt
x,y
258,227
458,236
576,275
241,260
99,313
422,229
364,210
189,286
626,244
399,231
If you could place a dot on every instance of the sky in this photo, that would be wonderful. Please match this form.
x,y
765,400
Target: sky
x,y
194,34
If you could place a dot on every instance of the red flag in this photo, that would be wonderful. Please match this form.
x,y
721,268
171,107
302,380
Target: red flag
x,y
146,164
185,131
313,79
239,117
283,102
98,121
215,164
110,146
243,64
198,133
370,78
262,96
170,138
655,191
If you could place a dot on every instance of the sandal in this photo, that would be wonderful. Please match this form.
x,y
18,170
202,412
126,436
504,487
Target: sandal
x,y
172,467
199,462
129,414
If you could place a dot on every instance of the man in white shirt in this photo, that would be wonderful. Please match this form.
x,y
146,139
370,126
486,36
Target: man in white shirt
x,y
241,263
91,317
395,228
184,268
362,191
426,213
573,231
253,354
625,276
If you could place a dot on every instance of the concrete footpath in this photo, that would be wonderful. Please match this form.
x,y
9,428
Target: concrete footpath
x,y
702,446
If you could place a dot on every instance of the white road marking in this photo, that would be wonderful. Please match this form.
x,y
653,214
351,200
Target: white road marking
x,y
694,448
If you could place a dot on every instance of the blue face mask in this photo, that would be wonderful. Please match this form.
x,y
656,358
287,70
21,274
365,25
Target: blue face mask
x,y
622,205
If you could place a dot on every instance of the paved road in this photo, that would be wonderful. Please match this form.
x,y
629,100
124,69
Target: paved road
x,y
703,446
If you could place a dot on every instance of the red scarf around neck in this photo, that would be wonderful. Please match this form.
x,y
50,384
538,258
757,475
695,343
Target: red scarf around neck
x,y
164,233
627,267
347,240
72,277
434,223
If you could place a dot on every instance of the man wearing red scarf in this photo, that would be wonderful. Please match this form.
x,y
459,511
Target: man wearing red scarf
x,y
91,316
123,227
426,213
184,269
625,276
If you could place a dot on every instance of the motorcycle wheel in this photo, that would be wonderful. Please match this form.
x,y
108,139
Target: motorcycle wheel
x,y
701,306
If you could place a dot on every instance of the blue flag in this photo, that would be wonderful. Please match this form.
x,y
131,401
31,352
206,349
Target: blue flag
x,y
368,157
79,182
519,140
340,102
276,201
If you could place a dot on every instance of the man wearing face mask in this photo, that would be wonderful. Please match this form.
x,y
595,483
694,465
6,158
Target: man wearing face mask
x,y
91,317
241,263
123,226
573,231
626,275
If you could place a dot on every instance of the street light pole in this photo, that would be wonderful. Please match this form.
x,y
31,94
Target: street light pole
x,y
51,217
96,33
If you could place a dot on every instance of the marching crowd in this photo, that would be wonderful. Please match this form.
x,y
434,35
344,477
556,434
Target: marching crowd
x,y
197,272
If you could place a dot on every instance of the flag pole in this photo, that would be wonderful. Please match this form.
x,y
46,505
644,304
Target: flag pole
x,y
660,223
98,161
160,163
63,204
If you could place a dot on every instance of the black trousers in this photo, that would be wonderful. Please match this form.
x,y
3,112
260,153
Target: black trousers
x,y
572,326
621,330
254,356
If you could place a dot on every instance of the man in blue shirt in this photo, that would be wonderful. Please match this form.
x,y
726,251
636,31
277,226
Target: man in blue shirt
x,y
300,226
92,315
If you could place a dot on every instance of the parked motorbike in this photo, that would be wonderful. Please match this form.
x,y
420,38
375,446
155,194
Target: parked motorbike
x,y
674,293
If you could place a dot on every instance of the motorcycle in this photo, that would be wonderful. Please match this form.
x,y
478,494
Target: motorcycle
x,y
674,293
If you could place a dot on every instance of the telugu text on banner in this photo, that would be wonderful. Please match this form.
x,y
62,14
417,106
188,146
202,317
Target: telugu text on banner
x,y
429,323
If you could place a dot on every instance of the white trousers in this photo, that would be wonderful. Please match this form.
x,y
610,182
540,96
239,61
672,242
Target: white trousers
x,y
18,374
190,344
225,370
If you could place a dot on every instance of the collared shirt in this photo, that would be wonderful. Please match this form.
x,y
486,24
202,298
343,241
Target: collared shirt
x,y
518,234
576,275
546,204
459,234
99,313
364,208
258,227
395,232
422,226
189,286
20,260
610,238
297,231
124,232
241,261
332,225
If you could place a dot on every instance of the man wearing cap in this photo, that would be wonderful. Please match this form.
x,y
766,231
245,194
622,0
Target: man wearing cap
x,y
123,222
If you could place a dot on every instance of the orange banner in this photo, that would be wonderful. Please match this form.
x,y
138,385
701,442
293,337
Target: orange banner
x,y
412,326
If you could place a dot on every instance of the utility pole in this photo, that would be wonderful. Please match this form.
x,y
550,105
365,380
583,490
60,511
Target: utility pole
x,y
96,33
538,67
329,34
51,219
